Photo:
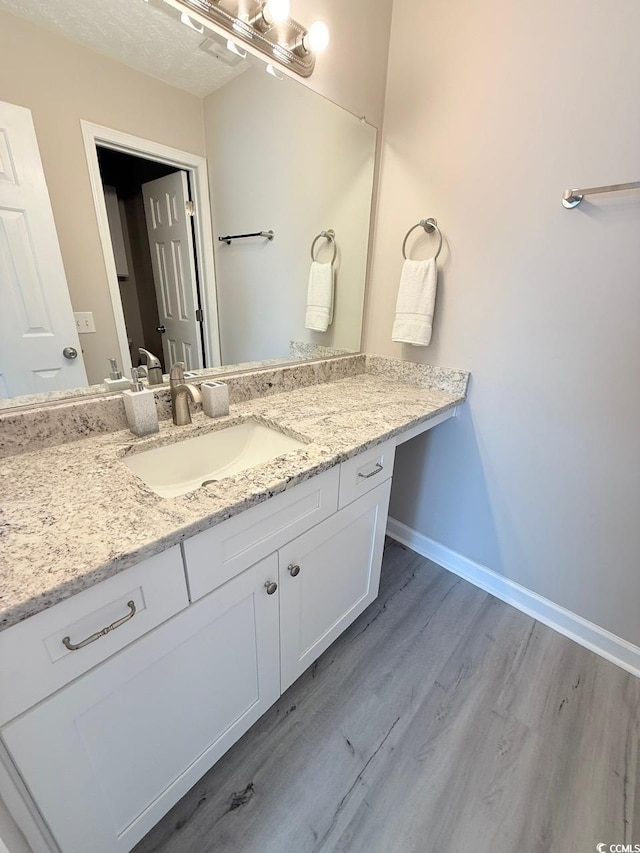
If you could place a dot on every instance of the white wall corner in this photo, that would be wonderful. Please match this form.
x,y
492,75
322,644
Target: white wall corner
x,y
620,652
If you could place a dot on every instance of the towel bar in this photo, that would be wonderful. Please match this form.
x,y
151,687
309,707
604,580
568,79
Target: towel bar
x,y
329,235
229,237
430,225
572,198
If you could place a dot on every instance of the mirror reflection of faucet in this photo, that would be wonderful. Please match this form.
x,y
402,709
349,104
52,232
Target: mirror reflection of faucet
x,y
152,366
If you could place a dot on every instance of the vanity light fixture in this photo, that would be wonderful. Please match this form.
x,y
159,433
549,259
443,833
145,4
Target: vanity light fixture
x,y
266,26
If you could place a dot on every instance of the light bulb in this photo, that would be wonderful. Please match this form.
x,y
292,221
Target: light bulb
x,y
276,11
317,39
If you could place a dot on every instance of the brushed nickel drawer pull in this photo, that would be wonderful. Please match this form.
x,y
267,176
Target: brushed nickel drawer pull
x,y
373,473
73,646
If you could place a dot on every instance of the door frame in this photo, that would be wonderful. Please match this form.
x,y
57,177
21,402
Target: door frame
x,y
95,135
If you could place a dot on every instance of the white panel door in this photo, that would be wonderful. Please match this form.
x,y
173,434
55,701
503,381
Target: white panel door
x,y
339,565
174,268
106,757
36,318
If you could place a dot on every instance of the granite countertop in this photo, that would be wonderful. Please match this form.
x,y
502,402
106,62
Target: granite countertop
x,y
74,515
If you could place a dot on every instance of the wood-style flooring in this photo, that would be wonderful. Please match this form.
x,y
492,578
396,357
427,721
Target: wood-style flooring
x,y
442,721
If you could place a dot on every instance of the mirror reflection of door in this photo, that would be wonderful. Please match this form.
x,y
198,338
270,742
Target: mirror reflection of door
x,y
174,268
153,246
39,345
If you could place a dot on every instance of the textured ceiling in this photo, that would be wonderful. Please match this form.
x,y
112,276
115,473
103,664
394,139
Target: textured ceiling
x,y
135,33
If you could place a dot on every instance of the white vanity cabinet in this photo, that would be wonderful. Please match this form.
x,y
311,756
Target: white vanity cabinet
x,y
35,659
106,757
216,555
109,753
328,576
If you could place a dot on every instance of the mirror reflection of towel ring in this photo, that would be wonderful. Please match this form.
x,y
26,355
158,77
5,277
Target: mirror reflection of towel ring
x,y
430,225
329,235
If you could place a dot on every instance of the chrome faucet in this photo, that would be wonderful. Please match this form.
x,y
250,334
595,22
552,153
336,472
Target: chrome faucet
x,y
181,391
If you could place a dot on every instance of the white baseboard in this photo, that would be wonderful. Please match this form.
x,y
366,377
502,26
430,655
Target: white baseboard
x,y
621,652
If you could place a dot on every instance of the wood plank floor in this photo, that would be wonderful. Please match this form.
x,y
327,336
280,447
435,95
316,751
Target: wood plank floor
x,y
442,721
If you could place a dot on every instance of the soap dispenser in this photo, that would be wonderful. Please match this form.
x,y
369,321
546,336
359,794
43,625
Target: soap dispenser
x,y
116,381
140,407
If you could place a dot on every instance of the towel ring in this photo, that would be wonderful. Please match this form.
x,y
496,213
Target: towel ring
x,y
430,225
329,235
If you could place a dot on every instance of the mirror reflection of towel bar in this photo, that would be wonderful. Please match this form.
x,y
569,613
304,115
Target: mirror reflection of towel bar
x,y
329,235
268,234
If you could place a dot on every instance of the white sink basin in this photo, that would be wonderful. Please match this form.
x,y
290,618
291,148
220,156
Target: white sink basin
x,y
176,469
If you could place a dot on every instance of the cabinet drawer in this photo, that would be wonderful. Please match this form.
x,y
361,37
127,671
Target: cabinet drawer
x,y
34,660
106,757
215,556
365,471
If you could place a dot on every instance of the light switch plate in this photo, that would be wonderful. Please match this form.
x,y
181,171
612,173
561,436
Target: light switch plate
x,y
84,322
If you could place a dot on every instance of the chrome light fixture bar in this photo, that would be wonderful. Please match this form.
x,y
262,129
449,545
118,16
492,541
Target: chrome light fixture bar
x,y
263,26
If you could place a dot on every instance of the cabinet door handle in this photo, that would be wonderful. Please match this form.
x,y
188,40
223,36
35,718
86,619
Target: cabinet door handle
x,y
294,570
373,473
73,646
271,587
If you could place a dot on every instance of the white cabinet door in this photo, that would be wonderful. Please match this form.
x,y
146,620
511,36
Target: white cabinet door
x,y
107,756
339,574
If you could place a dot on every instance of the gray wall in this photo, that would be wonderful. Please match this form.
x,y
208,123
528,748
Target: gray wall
x,y
491,112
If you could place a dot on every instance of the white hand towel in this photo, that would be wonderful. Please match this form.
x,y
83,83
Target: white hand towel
x,y
319,314
416,300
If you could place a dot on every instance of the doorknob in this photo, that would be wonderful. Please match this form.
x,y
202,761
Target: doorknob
x,y
271,587
70,352
294,570
161,329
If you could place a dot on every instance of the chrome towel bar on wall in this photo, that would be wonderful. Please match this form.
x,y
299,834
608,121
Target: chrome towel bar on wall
x,y
572,198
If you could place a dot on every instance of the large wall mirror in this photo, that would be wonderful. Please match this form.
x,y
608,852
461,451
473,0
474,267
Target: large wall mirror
x,y
130,143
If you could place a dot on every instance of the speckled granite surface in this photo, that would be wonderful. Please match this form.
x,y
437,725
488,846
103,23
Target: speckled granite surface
x,y
48,426
305,349
426,375
51,397
74,515
224,370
